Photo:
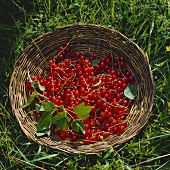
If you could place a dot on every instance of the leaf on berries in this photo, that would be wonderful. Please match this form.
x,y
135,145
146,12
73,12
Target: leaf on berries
x,y
44,106
38,106
34,85
30,100
43,132
95,62
61,120
48,106
37,85
78,125
43,126
82,111
60,107
130,92
42,88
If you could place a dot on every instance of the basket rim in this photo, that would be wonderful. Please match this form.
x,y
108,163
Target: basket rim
x,y
86,25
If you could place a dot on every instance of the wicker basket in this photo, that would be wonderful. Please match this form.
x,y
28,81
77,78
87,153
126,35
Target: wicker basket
x,y
83,38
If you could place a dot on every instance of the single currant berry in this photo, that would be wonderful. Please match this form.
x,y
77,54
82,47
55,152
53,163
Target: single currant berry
x,y
115,59
115,129
82,90
93,138
67,62
39,78
124,70
131,79
118,96
86,121
33,78
121,128
94,131
62,135
125,102
107,62
106,126
74,138
102,65
86,140
121,59
107,54
81,57
124,124
105,135
93,110
119,74
91,123
60,56
119,83
99,102
78,68
109,114
122,64
114,77
115,65
124,85
128,74
28,85
104,106
88,133
109,130
60,48
86,62
67,134
99,137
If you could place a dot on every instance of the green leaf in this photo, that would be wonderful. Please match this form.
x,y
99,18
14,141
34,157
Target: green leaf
x,y
43,126
60,107
95,62
38,106
43,132
30,100
38,85
34,85
61,120
130,92
48,106
44,106
82,111
41,109
42,88
78,125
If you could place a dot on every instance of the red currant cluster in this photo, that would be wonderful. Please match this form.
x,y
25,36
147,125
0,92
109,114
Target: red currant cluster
x,y
99,82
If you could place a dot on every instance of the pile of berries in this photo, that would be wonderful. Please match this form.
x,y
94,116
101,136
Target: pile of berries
x,y
74,78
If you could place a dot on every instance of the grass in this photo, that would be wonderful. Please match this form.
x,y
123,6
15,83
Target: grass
x,y
144,22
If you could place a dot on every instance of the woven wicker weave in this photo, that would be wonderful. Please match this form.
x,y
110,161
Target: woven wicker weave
x,y
83,38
